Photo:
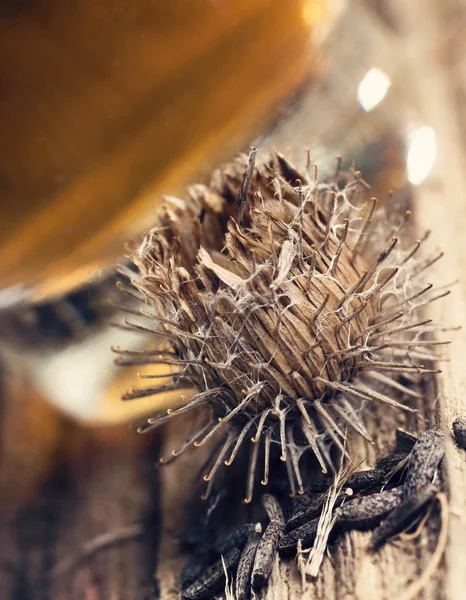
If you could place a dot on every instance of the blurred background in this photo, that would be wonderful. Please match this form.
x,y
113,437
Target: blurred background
x,y
106,106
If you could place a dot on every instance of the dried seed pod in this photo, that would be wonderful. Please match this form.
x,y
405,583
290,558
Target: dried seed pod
x,y
424,460
459,431
266,552
212,578
405,440
285,303
365,512
235,538
306,533
388,464
245,565
268,544
360,480
403,515
273,508
194,568
312,511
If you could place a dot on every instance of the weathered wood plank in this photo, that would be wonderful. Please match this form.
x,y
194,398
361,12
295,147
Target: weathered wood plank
x,y
96,481
350,571
438,84
105,478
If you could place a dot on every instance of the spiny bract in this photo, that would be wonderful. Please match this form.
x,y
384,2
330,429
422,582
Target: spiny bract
x,y
285,302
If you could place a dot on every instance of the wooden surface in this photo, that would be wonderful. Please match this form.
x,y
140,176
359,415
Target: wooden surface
x,y
428,39
62,485
433,52
349,572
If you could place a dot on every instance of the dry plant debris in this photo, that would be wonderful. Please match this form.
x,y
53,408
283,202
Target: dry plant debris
x,y
389,507
288,303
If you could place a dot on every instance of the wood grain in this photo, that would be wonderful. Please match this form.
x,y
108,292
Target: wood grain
x,y
103,483
94,482
350,571
433,35
428,40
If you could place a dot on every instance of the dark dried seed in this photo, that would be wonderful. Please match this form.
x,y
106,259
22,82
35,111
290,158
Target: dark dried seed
x,y
365,479
273,508
300,502
357,481
266,552
306,533
212,578
246,562
459,431
309,513
403,515
234,538
365,512
193,569
405,440
320,486
362,480
391,462
424,460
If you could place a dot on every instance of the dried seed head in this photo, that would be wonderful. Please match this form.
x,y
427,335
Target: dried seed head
x,y
285,302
